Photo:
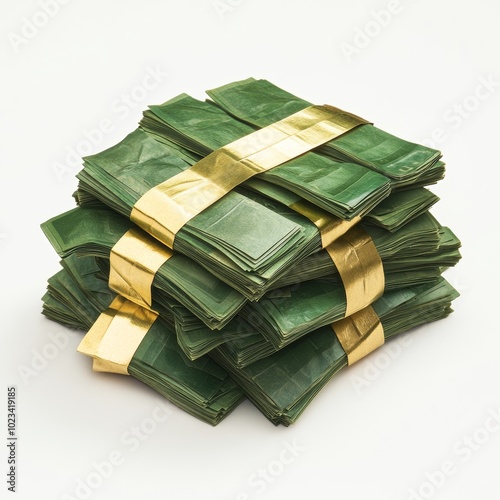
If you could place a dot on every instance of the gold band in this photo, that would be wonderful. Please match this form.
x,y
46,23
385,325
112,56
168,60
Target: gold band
x,y
359,334
330,227
360,267
115,336
134,261
163,210
98,365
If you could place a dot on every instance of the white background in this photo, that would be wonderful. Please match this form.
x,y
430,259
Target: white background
x,y
414,413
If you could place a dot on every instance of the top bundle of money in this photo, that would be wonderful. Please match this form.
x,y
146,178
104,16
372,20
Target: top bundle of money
x,y
249,245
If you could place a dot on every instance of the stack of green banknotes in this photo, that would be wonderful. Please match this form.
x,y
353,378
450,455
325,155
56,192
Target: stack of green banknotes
x,y
328,228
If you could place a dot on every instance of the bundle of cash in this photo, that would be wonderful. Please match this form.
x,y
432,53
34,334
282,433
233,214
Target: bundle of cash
x,y
252,244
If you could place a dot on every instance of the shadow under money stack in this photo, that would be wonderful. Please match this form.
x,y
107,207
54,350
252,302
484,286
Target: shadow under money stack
x,y
249,245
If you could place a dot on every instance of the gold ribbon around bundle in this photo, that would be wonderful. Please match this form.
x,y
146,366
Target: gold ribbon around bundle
x,y
359,334
330,227
134,261
115,336
360,267
165,209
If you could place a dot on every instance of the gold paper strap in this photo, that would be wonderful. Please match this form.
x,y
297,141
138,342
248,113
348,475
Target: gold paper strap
x,y
115,336
359,334
360,267
330,227
134,261
164,209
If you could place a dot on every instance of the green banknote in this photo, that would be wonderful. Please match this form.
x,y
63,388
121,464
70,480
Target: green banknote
x,y
419,248
282,385
246,241
344,189
259,102
202,388
120,175
287,313
76,295
94,232
280,319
